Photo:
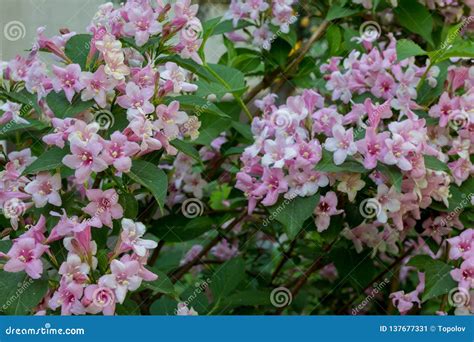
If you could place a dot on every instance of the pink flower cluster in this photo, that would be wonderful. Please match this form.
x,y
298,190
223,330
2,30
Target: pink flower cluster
x,y
263,13
290,141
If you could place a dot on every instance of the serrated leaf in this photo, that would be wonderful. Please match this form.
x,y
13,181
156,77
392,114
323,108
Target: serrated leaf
x,y
434,163
49,160
61,107
26,98
338,11
227,278
152,178
197,105
438,280
407,48
393,173
415,17
293,213
19,294
187,148
326,164
77,49
177,228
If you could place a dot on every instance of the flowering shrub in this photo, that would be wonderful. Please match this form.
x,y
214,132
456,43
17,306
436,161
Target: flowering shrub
x,y
322,166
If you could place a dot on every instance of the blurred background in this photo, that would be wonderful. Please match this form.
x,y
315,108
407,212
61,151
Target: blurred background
x,y
19,20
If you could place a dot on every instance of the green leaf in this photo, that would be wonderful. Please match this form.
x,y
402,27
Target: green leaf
x,y
334,37
415,17
26,98
407,48
337,12
61,107
326,164
129,205
152,178
225,80
77,48
49,160
177,228
293,213
393,173
186,148
227,278
218,196
247,298
358,268
12,127
161,285
19,294
197,105
434,163
437,276
164,306
227,26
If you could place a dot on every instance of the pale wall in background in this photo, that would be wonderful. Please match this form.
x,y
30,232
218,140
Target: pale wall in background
x,y
20,18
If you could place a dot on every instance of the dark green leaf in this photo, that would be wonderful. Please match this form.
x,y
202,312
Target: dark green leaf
x,y
61,107
49,160
415,17
407,48
77,49
152,178
19,294
293,213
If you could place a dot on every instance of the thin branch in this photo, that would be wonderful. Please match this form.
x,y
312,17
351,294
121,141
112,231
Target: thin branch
x,y
270,78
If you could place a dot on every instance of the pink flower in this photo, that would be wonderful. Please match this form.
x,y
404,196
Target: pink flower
x,y
397,151
224,250
44,189
103,207
384,86
372,147
169,119
11,113
68,298
85,159
465,274
177,76
67,79
273,184
326,208
404,302
461,169
74,270
21,159
462,245
279,151
118,150
62,129
131,238
444,108
142,24
25,256
342,144
96,86
136,101
99,298
124,278
183,310
387,201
